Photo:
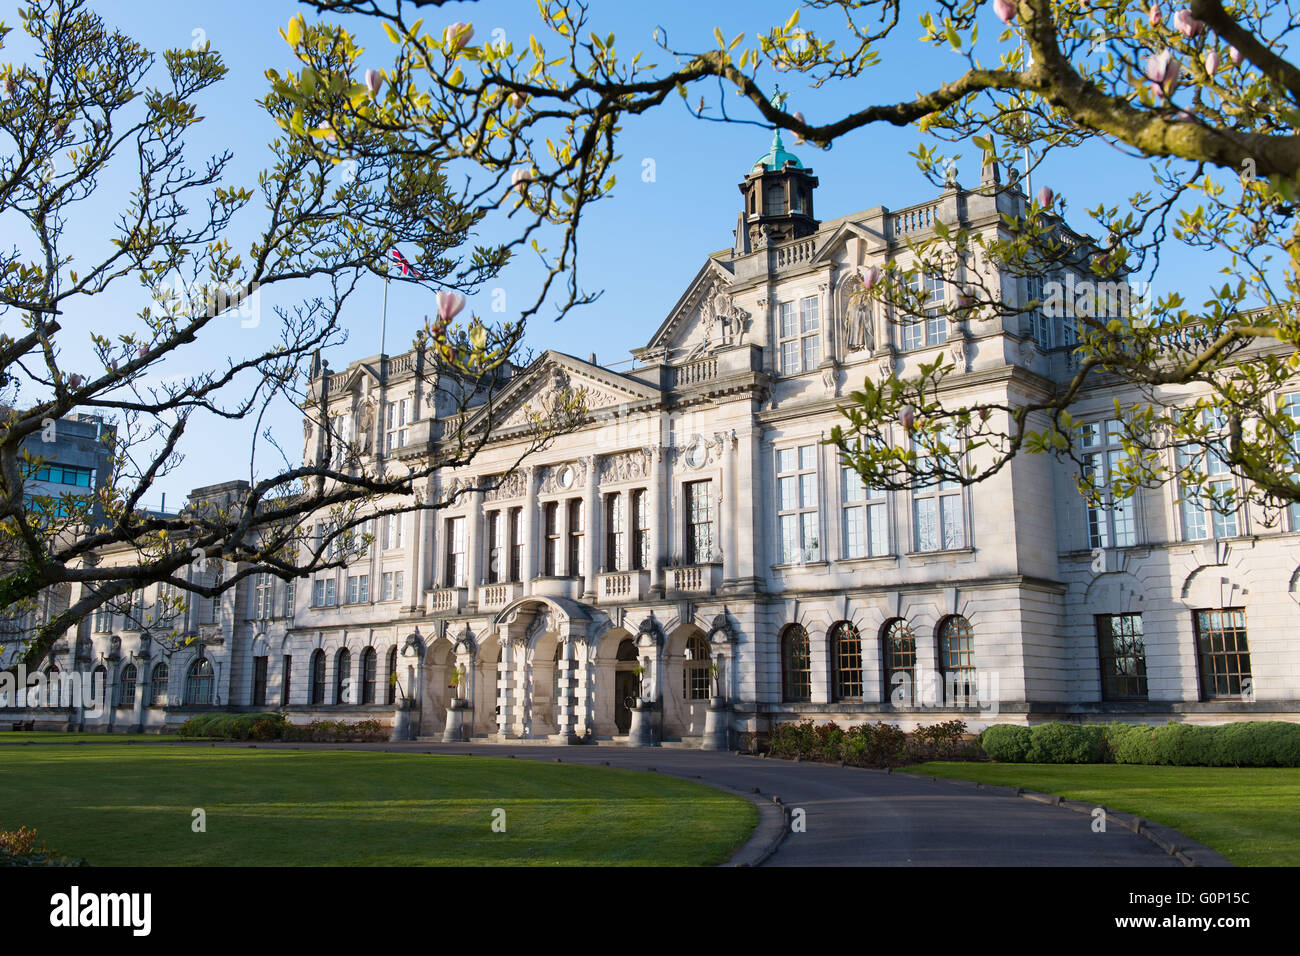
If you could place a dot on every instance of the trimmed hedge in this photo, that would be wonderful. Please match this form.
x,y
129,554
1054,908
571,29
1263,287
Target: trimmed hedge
x,y
277,727
1257,743
869,745
235,726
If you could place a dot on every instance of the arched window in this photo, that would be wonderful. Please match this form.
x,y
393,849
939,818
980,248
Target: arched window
x,y
695,669
369,664
846,662
898,648
126,692
957,660
392,672
158,685
343,677
796,664
99,678
318,676
198,682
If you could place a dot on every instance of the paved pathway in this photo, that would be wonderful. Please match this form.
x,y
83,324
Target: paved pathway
x,y
862,817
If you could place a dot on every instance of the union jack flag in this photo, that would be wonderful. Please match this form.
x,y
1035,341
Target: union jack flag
x,y
407,268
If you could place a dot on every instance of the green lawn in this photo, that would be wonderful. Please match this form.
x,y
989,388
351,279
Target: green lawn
x,y
1250,814
59,736
119,806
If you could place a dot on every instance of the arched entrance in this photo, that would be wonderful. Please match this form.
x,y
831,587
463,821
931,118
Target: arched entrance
x,y
627,684
542,675
438,663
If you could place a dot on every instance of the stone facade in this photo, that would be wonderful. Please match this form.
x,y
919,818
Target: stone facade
x,y
695,559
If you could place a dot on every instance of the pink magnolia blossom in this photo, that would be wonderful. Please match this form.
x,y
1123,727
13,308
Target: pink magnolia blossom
x,y
964,298
457,36
329,135
799,117
1162,71
907,417
517,100
1154,16
142,351
374,79
10,85
1005,9
1045,197
74,380
520,179
870,278
1185,23
1212,62
1235,56
449,306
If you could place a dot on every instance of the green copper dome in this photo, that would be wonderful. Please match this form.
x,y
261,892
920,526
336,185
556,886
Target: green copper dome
x,y
777,156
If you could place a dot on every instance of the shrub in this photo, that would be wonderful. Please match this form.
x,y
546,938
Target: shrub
x,y
1130,743
20,848
1262,743
1057,742
1008,743
940,739
233,726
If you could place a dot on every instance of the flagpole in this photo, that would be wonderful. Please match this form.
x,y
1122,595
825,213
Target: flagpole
x,y
383,318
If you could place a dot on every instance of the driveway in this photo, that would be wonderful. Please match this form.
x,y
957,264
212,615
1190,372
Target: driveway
x,y
854,817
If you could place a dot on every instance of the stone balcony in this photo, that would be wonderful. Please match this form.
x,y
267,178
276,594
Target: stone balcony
x,y
493,597
445,601
553,587
614,587
695,579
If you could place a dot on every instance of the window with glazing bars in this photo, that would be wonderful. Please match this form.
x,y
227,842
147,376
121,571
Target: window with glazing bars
x,y
699,523
1223,653
846,662
1122,655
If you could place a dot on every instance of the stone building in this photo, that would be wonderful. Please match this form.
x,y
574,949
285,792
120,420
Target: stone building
x,y
694,564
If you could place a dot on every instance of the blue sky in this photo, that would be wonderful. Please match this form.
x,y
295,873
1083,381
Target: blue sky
x,y
641,246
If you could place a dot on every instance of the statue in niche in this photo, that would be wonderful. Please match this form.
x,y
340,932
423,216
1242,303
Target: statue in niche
x,y
858,333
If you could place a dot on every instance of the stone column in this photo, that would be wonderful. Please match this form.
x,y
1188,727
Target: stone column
x,y
566,713
727,539
659,538
585,680
748,501
591,509
418,546
505,685
473,547
523,690
354,679
530,517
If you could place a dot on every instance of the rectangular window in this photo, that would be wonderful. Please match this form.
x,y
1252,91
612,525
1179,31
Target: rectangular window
x,y
517,544
262,592
496,550
66,475
290,593
102,620
324,593
391,582
937,513
393,531
1040,326
931,328
640,530
358,589
576,537
699,523
796,479
455,575
799,341
551,526
1207,491
614,533
1123,657
285,686
1111,522
866,522
1223,654
397,415
259,681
